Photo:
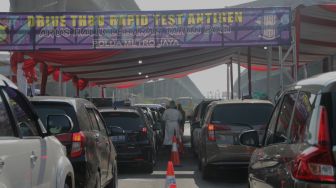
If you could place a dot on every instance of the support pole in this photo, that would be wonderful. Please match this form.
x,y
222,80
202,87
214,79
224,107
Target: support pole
x,y
77,89
227,82
249,67
231,79
305,71
90,87
60,85
239,75
269,67
44,79
295,59
281,69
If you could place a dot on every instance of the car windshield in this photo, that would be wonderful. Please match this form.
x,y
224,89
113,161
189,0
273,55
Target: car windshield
x,y
244,114
44,109
125,120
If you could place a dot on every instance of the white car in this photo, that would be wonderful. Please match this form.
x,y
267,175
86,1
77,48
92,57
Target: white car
x,y
29,156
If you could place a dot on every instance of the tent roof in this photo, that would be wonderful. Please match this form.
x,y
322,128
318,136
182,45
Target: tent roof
x,y
317,41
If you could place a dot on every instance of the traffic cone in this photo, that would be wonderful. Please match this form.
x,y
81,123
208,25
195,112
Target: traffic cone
x,y
170,176
175,158
172,186
180,145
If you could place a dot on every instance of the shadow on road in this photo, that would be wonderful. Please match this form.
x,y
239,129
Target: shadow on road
x,y
188,171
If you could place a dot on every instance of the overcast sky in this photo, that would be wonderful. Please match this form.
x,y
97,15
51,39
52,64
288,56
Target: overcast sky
x,y
212,79
208,80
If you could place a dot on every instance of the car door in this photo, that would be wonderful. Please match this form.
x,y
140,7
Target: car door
x,y
29,132
15,163
106,151
268,164
100,144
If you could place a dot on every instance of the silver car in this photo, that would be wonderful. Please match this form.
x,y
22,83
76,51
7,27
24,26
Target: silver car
x,y
221,127
29,156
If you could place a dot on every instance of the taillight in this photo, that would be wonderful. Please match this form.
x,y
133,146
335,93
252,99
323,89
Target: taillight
x,y
316,163
77,148
211,132
144,131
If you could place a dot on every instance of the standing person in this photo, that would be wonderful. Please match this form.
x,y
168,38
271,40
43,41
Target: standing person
x,y
182,122
171,117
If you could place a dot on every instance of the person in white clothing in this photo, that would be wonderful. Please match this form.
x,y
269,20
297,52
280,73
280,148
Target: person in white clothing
x,y
172,117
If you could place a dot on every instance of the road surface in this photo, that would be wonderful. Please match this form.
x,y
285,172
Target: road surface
x,y
187,176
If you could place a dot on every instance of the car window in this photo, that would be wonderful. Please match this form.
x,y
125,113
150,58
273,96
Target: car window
x,y
249,115
44,109
22,113
100,123
272,123
285,118
302,113
6,128
92,116
125,120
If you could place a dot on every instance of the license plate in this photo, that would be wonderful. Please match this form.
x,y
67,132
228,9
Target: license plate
x,y
121,138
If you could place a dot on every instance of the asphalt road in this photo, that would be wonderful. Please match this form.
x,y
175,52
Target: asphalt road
x,y
187,176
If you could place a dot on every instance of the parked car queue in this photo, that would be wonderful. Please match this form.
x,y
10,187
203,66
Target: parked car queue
x,y
60,142
290,145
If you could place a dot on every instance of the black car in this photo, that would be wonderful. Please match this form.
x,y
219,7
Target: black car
x,y
88,145
155,119
298,148
195,123
132,136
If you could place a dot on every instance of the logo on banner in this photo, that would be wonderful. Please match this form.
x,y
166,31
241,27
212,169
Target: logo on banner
x,y
3,33
269,27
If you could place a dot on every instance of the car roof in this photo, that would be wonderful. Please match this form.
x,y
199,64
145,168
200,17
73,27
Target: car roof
x,y
322,82
119,109
57,99
150,105
245,101
4,81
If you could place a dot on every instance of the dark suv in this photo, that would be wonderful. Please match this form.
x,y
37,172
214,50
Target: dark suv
x,y
132,136
89,148
298,149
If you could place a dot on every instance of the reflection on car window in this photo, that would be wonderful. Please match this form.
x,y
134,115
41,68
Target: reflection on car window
x,y
44,109
93,120
100,123
22,113
302,113
6,128
284,120
126,121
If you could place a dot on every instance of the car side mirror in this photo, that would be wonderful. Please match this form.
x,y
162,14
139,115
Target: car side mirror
x,y
58,124
249,138
196,124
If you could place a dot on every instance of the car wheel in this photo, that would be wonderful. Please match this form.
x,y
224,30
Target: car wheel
x,y
114,182
205,172
97,184
205,169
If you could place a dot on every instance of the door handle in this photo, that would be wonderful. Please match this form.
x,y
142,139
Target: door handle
x,y
2,163
33,158
96,136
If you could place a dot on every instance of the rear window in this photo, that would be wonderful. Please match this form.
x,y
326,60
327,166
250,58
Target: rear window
x,y
247,114
44,109
125,120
